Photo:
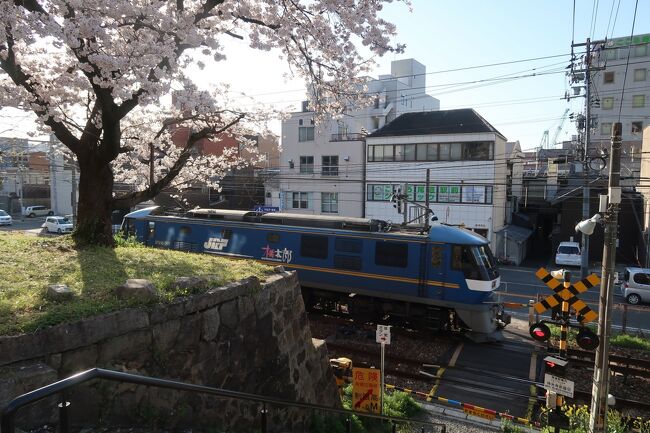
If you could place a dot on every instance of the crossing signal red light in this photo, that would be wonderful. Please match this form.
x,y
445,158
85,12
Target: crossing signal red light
x,y
555,365
587,339
540,332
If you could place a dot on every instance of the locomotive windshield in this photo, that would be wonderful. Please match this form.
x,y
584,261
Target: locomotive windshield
x,y
475,261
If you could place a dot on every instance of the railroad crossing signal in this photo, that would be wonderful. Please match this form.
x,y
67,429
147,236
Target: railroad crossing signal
x,y
568,295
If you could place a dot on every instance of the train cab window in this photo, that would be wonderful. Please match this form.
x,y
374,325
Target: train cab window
x,y
273,238
476,262
314,246
436,257
392,254
348,245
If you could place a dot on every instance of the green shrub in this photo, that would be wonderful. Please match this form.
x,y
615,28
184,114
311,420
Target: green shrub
x,y
396,404
579,421
630,341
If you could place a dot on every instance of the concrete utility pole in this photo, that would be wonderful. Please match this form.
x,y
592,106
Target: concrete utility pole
x,y
588,69
584,264
600,388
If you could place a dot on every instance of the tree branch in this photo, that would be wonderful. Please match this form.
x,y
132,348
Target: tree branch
x,y
23,79
131,199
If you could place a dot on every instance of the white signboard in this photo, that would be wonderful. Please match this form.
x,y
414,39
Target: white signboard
x,y
558,385
383,334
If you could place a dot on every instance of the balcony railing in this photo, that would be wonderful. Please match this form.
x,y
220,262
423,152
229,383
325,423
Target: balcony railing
x,y
350,136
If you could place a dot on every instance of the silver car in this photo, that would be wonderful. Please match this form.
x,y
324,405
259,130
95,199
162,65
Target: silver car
x,y
636,285
5,218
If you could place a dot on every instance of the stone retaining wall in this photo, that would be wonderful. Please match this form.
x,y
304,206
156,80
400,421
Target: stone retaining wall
x,y
245,336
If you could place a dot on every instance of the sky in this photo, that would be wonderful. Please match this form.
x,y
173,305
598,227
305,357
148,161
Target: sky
x,y
466,34
521,98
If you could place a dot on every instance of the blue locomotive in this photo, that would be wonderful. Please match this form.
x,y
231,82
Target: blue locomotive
x,y
441,279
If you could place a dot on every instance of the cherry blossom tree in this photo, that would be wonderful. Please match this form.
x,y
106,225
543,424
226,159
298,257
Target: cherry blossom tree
x,y
99,75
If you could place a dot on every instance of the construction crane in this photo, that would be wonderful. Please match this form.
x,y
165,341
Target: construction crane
x,y
546,143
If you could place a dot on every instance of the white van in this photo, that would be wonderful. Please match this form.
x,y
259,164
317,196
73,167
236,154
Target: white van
x,y
568,253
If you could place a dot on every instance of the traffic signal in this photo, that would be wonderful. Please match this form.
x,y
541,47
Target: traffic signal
x,y
555,365
587,339
540,332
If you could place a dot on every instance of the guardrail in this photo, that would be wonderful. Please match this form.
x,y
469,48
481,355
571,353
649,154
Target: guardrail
x,y
7,420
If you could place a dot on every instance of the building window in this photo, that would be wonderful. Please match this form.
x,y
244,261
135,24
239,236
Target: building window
x,y
480,151
305,133
449,194
605,128
330,165
637,127
450,151
638,101
301,200
379,192
640,74
608,77
610,53
641,50
306,164
608,103
432,152
329,202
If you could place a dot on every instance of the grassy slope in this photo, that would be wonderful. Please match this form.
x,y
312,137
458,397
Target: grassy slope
x,y
29,264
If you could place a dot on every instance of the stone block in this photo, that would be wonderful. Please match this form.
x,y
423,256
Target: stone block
x,y
19,379
165,312
228,313
211,322
262,302
75,361
59,293
137,288
165,335
132,349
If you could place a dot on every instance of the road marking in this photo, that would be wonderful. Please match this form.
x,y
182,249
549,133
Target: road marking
x,y
432,393
454,357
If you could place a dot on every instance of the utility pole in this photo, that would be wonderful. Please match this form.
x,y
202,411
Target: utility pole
x,y
426,201
600,387
586,189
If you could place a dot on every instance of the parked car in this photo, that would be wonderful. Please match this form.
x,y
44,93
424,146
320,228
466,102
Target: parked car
x,y
57,224
32,211
568,253
5,218
635,286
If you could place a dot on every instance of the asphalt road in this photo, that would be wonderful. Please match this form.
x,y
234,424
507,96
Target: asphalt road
x,y
519,284
26,225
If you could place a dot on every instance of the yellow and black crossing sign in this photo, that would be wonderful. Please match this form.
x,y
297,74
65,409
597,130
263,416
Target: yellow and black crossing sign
x,y
567,294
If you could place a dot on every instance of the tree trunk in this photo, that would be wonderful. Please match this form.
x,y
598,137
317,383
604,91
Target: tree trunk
x,y
93,225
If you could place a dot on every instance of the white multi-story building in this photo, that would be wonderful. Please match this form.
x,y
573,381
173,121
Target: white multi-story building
x,y
467,159
621,86
322,166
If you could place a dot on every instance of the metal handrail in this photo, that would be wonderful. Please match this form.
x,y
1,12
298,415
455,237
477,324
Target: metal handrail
x,y
7,420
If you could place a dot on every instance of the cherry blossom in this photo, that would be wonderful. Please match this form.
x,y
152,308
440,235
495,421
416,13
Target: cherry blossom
x,y
110,80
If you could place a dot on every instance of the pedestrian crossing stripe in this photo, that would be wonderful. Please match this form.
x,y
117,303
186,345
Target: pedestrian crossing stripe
x,y
567,294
